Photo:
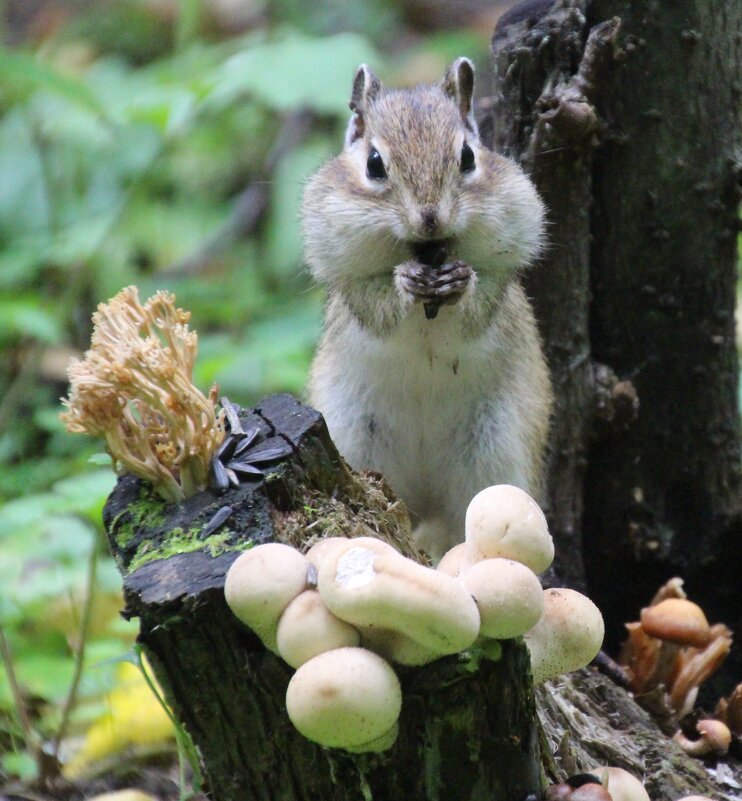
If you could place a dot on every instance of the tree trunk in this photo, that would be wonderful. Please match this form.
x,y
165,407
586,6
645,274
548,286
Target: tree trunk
x,y
626,115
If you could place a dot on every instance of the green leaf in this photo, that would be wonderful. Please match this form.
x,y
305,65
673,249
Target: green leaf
x,y
283,74
26,317
284,244
19,764
87,493
21,73
100,459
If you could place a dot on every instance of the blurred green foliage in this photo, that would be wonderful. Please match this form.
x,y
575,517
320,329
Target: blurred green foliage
x,y
136,138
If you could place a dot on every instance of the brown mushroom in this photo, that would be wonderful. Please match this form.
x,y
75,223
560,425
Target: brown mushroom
x,y
676,622
714,738
730,710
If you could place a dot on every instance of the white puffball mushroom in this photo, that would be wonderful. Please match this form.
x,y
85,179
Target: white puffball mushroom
x,y
308,628
344,698
369,583
456,561
261,583
621,784
503,521
397,647
321,548
508,595
383,743
568,635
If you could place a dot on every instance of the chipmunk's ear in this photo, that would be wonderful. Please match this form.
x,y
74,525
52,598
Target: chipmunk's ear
x,y
366,87
458,84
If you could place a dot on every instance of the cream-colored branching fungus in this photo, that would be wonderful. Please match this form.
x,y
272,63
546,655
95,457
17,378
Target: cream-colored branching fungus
x,y
134,388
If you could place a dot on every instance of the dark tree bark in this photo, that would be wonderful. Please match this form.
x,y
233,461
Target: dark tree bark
x,y
627,116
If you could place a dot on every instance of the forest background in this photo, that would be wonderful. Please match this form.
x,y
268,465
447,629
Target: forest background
x,y
162,144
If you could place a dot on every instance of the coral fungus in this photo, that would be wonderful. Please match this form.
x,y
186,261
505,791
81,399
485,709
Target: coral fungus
x,y
134,388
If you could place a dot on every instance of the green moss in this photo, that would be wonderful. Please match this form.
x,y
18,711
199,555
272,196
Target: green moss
x,y
147,512
177,541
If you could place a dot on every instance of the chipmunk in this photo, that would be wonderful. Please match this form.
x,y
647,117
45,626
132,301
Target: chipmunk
x,y
430,368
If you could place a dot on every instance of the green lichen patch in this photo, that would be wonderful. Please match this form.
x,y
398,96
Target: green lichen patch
x,y
179,541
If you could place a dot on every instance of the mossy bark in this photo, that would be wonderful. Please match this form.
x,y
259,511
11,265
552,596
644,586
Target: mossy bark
x,y
468,726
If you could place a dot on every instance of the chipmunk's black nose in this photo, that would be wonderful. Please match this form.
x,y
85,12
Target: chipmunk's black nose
x,y
429,216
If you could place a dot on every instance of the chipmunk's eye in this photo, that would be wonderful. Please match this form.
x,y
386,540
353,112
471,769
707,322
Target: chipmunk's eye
x,y
375,165
467,158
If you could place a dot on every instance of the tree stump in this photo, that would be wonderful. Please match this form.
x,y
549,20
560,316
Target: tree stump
x,y
468,726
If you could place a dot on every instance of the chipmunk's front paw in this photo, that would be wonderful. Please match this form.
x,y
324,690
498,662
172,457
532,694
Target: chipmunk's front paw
x,y
434,286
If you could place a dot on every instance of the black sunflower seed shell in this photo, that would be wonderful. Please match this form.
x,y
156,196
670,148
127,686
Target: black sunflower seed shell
x,y
227,448
250,438
245,468
232,413
232,476
218,477
268,454
217,521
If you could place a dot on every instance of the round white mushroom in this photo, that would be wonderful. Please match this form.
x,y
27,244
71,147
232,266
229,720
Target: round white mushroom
x,y
568,635
321,548
308,628
456,561
261,583
508,595
503,521
368,583
345,698
397,647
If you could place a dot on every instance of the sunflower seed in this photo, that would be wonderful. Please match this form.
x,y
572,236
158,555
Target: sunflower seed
x,y
217,521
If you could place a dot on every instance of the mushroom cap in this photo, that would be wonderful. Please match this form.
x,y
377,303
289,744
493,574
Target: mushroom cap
x,y
344,698
397,647
369,583
677,620
308,628
508,595
503,521
322,548
261,583
714,738
457,560
622,785
568,635
383,743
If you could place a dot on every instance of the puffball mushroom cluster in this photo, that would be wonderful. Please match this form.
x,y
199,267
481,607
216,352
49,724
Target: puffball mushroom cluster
x,y
347,608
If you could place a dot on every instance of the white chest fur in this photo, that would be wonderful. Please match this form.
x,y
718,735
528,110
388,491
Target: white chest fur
x,y
422,406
